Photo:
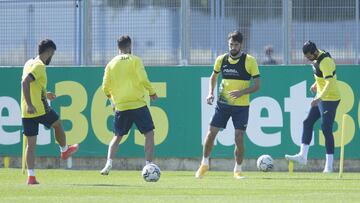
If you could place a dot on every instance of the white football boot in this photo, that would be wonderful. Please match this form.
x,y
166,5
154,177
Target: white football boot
x,y
296,158
106,170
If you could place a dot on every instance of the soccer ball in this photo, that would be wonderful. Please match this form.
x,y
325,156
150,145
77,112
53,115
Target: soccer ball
x,y
265,163
151,173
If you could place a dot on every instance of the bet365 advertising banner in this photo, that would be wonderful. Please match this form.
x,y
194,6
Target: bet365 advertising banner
x,y
181,115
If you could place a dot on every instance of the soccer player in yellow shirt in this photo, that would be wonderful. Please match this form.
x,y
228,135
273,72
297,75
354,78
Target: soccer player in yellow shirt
x,y
35,109
237,69
323,106
125,83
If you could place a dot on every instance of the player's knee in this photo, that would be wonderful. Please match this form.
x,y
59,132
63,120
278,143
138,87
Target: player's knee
x,y
211,135
149,134
239,138
30,147
327,129
116,140
239,133
307,122
57,124
213,131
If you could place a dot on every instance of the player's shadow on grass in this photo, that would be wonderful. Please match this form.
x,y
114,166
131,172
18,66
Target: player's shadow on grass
x,y
104,185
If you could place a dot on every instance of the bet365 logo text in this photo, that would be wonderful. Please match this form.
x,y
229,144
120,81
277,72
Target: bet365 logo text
x,y
74,113
297,105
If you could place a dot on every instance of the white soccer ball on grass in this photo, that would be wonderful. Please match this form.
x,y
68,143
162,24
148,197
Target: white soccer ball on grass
x,y
151,173
265,163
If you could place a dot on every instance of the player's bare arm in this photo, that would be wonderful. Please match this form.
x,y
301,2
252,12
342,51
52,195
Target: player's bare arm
x,y
313,88
153,97
238,93
111,102
213,80
26,91
317,99
50,96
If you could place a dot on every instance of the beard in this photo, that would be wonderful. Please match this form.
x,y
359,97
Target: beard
x,y
47,62
234,52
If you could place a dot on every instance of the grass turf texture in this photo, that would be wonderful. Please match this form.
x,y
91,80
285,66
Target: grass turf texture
x,y
178,186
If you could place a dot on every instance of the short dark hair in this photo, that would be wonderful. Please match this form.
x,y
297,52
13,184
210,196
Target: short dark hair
x,y
309,47
45,44
124,41
236,36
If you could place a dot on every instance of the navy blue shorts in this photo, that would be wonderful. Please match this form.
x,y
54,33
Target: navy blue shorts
x,y
31,125
124,120
239,115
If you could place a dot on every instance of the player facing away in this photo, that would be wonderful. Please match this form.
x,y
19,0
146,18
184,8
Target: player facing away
x,y
35,109
237,69
125,82
323,106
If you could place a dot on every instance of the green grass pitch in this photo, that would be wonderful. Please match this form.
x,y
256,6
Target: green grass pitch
x,y
178,186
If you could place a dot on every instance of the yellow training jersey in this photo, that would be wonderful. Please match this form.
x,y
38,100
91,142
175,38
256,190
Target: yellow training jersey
x,y
325,69
236,75
126,81
36,68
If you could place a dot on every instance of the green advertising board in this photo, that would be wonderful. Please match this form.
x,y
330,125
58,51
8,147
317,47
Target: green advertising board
x,y
181,115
